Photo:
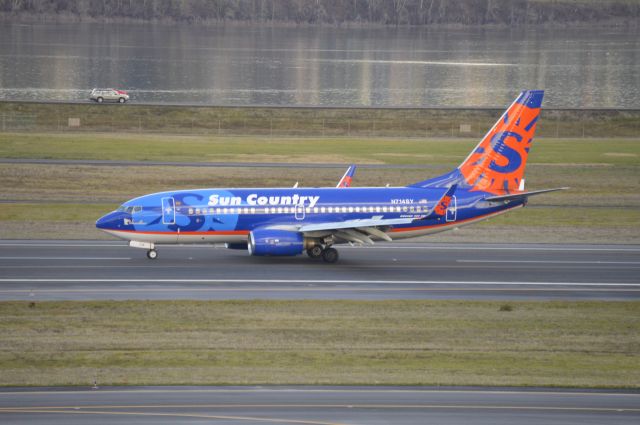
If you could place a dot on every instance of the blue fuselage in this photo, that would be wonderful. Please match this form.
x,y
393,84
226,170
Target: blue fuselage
x,y
228,215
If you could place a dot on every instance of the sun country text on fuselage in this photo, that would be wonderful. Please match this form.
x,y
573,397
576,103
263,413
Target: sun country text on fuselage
x,y
289,221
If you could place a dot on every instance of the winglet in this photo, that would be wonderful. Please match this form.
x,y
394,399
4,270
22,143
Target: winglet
x,y
440,210
345,181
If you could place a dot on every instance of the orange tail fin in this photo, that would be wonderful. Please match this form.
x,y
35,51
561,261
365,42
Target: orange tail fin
x,y
497,164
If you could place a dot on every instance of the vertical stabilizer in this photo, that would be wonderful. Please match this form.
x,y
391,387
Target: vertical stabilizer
x,y
497,164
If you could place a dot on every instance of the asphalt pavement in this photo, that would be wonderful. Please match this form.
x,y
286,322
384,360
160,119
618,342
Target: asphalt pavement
x,y
316,406
93,270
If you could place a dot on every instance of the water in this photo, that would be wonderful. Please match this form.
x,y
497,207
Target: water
x,y
244,65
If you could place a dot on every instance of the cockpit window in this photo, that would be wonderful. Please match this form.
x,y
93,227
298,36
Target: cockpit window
x,y
129,209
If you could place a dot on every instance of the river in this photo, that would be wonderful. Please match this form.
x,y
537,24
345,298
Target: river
x,y
321,66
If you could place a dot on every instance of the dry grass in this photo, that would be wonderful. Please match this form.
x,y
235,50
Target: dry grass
x,y
318,342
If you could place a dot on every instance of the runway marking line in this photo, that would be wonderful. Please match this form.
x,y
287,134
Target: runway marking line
x,y
88,409
397,246
67,258
319,390
179,415
548,262
151,290
494,248
318,281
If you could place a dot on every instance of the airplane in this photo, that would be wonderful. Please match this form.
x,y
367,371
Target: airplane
x,y
291,221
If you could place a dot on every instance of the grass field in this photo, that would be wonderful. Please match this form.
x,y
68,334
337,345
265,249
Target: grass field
x,y
333,150
318,122
586,344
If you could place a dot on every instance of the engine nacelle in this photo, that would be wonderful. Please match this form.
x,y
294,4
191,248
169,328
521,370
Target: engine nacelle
x,y
276,242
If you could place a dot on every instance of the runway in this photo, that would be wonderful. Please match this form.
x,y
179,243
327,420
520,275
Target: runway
x,y
94,270
316,406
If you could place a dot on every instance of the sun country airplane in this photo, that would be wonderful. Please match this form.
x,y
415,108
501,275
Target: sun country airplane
x,y
290,221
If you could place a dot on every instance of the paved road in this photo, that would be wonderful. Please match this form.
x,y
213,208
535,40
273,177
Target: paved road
x,y
52,270
316,405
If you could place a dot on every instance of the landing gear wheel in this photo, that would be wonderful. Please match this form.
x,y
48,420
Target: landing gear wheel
x,y
152,254
330,255
315,251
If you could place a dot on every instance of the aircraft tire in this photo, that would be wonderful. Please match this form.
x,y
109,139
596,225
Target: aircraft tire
x,y
152,254
330,255
315,251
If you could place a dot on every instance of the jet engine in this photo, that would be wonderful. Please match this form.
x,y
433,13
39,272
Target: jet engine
x,y
276,242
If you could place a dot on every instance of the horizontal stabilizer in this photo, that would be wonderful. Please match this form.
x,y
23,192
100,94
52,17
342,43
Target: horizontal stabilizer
x,y
521,195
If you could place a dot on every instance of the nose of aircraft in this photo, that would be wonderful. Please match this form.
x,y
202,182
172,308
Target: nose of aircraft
x,y
108,221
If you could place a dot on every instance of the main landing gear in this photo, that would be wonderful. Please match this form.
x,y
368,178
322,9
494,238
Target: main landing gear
x,y
328,254
152,254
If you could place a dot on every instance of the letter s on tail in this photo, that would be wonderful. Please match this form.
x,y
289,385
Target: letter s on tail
x,y
497,164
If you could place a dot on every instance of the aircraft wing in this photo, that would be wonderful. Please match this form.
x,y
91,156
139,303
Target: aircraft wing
x,y
358,231
361,230
521,195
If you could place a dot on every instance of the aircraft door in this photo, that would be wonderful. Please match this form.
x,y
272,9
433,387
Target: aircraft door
x,y
300,211
168,211
452,211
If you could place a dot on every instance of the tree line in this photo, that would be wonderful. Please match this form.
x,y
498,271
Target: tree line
x,y
333,12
